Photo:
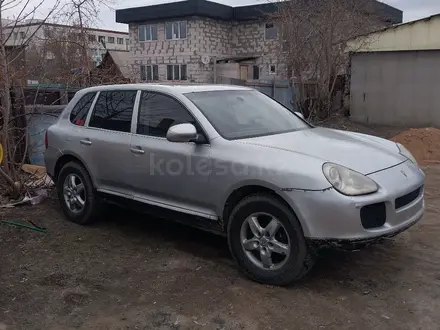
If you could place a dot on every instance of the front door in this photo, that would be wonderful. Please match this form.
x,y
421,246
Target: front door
x,y
107,141
244,72
175,175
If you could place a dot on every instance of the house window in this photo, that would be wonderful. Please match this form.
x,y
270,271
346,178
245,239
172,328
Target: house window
x,y
127,41
22,35
175,30
176,72
149,72
120,41
256,72
272,69
271,31
111,40
48,33
92,38
148,32
101,39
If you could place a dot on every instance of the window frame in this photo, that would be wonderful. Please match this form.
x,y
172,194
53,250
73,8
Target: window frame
x,y
150,27
145,72
265,31
111,40
118,41
135,118
270,69
256,68
135,111
180,72
179,29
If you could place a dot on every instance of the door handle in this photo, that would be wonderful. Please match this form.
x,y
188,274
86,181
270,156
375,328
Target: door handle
x,y
137,151
86,142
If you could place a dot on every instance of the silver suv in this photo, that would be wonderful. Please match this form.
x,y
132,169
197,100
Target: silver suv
x,y
231,160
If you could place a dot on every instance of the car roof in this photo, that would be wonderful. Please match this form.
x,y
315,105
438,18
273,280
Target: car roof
x,y
179,89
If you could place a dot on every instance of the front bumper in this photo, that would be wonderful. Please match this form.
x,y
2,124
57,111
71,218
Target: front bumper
x,y
329,216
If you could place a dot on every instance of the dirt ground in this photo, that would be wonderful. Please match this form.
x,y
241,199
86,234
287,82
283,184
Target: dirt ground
x,y
131,271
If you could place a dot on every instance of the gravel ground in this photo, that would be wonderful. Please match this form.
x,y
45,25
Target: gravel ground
x,y
131,271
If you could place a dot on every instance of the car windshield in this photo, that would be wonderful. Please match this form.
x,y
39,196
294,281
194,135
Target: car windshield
x,y
240,114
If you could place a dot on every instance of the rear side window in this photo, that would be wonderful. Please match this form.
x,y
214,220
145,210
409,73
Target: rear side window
x,y
114,111
81,109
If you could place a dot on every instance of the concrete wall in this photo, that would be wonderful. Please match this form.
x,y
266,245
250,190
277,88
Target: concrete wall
x,y
396,88
418,35
206,37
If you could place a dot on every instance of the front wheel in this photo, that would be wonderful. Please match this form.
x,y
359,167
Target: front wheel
x,y
267,241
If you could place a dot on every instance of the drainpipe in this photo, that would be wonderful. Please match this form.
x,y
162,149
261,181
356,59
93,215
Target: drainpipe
x,y
215,69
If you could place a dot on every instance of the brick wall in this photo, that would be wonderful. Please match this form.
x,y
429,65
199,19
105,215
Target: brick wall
x,y
205,37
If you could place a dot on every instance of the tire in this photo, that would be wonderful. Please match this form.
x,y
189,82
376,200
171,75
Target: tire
x,y
92,205
298,261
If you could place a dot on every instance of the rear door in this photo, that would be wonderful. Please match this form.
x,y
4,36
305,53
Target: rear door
x,y
106,141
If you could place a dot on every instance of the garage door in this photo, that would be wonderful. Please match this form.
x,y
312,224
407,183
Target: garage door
x,y
396,88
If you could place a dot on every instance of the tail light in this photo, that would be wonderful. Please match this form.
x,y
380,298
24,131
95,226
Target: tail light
x,y
46,141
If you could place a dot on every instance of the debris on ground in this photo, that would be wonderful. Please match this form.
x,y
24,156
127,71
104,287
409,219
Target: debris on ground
x,y
39,177
423,143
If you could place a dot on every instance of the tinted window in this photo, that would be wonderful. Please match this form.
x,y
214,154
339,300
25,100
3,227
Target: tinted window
x,y
81,109
113,111
244,114
158,112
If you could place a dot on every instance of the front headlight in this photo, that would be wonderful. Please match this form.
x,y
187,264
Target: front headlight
x,y
348,182
406,153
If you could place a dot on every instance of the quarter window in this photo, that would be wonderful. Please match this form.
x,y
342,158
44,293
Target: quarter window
x,y
114,110
158,112
175,30
148,32
177,72
81,109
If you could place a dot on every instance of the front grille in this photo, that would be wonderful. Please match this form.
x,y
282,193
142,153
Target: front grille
x,y
373,216
407,199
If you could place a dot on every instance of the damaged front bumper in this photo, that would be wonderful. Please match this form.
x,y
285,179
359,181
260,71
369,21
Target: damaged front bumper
x,y
331,219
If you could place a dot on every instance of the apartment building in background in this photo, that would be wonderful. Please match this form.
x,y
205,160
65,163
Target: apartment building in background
x,y
37,36
195,40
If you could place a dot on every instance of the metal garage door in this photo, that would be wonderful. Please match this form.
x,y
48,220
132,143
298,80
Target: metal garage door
x,y
396,88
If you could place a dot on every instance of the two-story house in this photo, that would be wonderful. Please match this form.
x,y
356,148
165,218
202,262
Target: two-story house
x,y
197,40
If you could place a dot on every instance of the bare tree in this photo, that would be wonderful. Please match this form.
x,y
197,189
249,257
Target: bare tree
x,y
313,39
12,77
82,14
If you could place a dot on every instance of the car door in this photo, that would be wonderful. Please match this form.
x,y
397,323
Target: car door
x,y
173,175
106,141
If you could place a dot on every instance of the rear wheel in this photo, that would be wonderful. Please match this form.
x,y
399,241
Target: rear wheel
x,y
267,241
78,198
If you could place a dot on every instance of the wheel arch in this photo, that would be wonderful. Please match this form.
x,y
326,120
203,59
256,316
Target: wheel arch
x,y
66,158
238,193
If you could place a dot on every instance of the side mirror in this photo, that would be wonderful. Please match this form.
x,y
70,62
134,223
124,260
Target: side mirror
x,y
182,133
299,114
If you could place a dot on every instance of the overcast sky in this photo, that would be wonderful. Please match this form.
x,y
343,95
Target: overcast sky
x,y
412,9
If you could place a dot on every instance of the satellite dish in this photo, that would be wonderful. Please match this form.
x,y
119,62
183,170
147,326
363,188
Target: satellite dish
x,y
206,59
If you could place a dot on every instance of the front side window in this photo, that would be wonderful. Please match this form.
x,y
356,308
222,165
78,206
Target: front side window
x,y
148,32
175,30
177,72
113,111
271,31
245,114
81,109
149,72
158,112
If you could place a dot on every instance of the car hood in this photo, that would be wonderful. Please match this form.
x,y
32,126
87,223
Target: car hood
x,y
362,153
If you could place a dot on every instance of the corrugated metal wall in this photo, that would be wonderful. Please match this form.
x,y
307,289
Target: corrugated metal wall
x,y
396,88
